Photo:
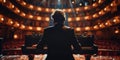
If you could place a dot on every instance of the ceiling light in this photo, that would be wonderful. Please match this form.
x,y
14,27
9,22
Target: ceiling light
x,y
77,18
47,18
39,9
39,18
39,28
80,4
78,29
87,28
69,19
23,3
73,2
30,16
22,26
1,19
31,6
116,31
30,27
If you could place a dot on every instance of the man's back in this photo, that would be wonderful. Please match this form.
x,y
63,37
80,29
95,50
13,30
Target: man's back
x,y
59,41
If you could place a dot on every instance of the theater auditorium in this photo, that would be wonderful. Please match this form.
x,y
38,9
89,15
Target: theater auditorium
x,y
96,24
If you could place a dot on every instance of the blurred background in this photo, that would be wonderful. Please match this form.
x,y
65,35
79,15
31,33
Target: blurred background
x,y
20,19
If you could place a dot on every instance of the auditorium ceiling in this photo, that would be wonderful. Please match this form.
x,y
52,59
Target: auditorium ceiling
x,y
83,15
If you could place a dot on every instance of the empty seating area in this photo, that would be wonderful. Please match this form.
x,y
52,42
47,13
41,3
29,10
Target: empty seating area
x,y
107,44
105,47
13,44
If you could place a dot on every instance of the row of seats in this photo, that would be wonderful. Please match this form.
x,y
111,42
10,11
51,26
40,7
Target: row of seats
x,y
15,44
12,44
102,44
107,44
43,56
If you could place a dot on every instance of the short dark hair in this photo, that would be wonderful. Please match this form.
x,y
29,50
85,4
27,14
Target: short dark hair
x,y
58,16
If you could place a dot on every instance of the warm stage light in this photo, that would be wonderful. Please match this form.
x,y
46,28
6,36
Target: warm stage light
x,y
64,10
30,16
53,10
22,14
86,7
47,18
111,4
23,3
39,9
22,27
11,6
86,17
31,6
69,10
78,29
100,1
77,9
77,18
117,31
16,24
95,15
87,28
69,19
101,12
96,27
30,28
94,5
15,36
4,1
116,20
47,9
17,11
1,19
39,18
73,2
39,28
108,23
102,25
107,8
10,22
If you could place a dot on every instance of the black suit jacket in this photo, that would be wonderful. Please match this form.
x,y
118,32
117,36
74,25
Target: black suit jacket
x,y
59,41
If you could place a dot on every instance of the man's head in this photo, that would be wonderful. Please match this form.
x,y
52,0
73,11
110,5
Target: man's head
x,y
58,16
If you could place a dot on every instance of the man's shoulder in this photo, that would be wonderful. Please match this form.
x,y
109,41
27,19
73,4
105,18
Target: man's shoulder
x,y
47,28
64,27
68,28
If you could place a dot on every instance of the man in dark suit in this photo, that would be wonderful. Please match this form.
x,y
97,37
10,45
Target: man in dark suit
x,y
59,39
